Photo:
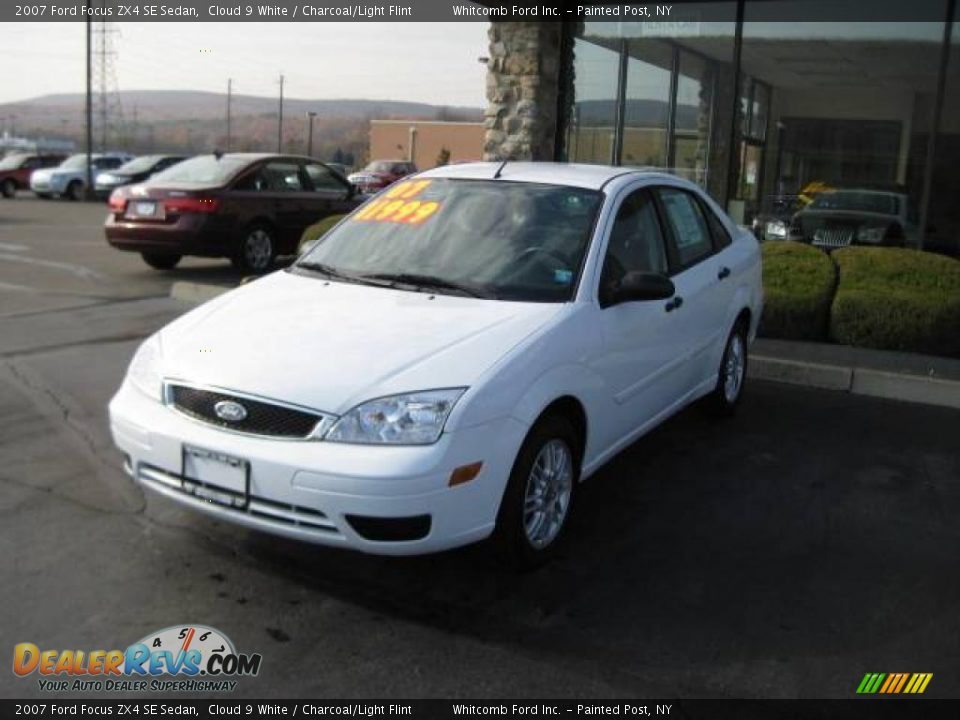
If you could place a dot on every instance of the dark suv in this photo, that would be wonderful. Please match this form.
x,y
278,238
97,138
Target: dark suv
x,y
243,206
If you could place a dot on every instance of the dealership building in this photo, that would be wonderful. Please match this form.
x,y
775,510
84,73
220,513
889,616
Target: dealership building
x,y
748,106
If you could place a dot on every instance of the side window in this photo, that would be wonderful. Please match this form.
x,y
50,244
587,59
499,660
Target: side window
x,y
31,163
322,179
281,177
636,242
107,163
690,233
721,238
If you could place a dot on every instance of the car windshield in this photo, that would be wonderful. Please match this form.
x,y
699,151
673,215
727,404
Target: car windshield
x,y
75,162
204,169
12,162
487,238
871,202
140,164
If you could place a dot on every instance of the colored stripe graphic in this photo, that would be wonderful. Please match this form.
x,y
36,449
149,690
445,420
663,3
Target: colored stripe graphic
x,y
894,683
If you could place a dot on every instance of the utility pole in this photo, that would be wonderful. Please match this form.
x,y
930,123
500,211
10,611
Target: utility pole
x,y
89,107
280,120
229,100
310,117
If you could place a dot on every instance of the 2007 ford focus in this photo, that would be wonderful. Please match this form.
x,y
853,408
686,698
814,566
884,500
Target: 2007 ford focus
x,y
450,361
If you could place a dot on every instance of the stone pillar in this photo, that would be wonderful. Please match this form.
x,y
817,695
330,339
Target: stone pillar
x,y
522,87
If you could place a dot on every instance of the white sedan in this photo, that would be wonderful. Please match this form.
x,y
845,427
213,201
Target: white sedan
x,y
450,361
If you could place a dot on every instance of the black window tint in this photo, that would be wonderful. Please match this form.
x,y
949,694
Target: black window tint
x,y
282,177
636,243
721,238
321,178
690,232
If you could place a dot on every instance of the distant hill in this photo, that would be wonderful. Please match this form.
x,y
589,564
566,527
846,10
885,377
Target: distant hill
x,y
194,121
152,105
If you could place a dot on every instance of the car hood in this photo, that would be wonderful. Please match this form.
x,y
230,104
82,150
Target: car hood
x,y
47,173
331,345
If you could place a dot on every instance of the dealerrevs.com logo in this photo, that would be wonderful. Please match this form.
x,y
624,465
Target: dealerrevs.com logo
x,y
179,658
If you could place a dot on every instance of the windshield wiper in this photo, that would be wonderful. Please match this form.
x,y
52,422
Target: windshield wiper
x,y
333,272
430,281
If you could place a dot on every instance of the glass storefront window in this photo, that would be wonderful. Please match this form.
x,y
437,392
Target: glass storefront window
x,y
591,133
647,103
834,105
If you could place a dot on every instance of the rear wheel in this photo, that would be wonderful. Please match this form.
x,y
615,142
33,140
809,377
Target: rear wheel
x,y
160,261
732,374
75,190
536,504
256,251
9,188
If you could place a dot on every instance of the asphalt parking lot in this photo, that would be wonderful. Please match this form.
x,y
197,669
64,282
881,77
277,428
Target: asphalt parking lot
x,y
783,553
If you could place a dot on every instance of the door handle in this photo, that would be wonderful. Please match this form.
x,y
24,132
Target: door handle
x,y
724,272
674,304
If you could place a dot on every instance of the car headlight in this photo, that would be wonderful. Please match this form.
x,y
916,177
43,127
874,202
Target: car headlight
x,y
415,418
776,228
872,235
144,371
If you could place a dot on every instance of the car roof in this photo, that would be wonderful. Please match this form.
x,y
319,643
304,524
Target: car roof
x,y
593,177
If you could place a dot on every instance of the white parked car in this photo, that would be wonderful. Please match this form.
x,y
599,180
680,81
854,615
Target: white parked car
x,y
449,361
69,178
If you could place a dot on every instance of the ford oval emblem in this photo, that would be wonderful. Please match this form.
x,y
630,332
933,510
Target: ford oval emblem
x,y
230,411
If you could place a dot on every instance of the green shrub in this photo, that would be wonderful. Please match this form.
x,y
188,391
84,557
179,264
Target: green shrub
x,y
318,230
798,286
897,299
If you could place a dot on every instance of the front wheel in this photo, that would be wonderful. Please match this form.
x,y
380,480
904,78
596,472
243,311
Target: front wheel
x,y
75,190
732,374
160,261
536,504
9,188
256,251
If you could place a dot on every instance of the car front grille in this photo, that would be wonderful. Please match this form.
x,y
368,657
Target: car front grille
x,y
262,416
833,237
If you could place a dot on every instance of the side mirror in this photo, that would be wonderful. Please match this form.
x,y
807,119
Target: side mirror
x,y
638,287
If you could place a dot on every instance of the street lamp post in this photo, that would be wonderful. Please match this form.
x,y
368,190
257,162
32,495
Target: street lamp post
x,y
310,117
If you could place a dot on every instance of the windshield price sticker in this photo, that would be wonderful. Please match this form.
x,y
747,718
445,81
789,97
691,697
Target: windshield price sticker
x,y
397,205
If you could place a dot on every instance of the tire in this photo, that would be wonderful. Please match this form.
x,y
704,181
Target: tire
x,y
9,188
525,537
74,191
256,250
732,374
160,261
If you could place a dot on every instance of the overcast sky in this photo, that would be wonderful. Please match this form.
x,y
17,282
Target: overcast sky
x,y
424,62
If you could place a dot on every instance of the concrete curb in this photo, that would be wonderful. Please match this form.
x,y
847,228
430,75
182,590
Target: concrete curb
x,y
196,292
859,381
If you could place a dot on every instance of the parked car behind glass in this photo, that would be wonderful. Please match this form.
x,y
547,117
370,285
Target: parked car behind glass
x,y
381,173
69,178
244,206
838,218
450,361
15,170
137,170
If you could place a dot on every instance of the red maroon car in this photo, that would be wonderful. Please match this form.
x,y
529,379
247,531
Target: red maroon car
x,y
15,170
380,173
244,206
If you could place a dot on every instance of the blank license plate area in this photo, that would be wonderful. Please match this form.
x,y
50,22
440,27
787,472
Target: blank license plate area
x,y
215,476
143,209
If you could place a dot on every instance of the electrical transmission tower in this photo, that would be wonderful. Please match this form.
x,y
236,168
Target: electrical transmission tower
x,y
107,111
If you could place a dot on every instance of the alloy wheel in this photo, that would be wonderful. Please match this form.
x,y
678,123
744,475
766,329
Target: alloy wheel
x,y
547,497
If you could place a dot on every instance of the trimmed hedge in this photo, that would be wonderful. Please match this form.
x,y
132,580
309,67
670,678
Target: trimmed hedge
x,y
897,299
318,230
798,285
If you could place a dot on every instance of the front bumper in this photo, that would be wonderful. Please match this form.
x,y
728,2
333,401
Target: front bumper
x,y
331,494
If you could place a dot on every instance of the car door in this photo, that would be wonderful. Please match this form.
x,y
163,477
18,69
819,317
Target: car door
x,y
329,194
641,345
698,276
286,187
